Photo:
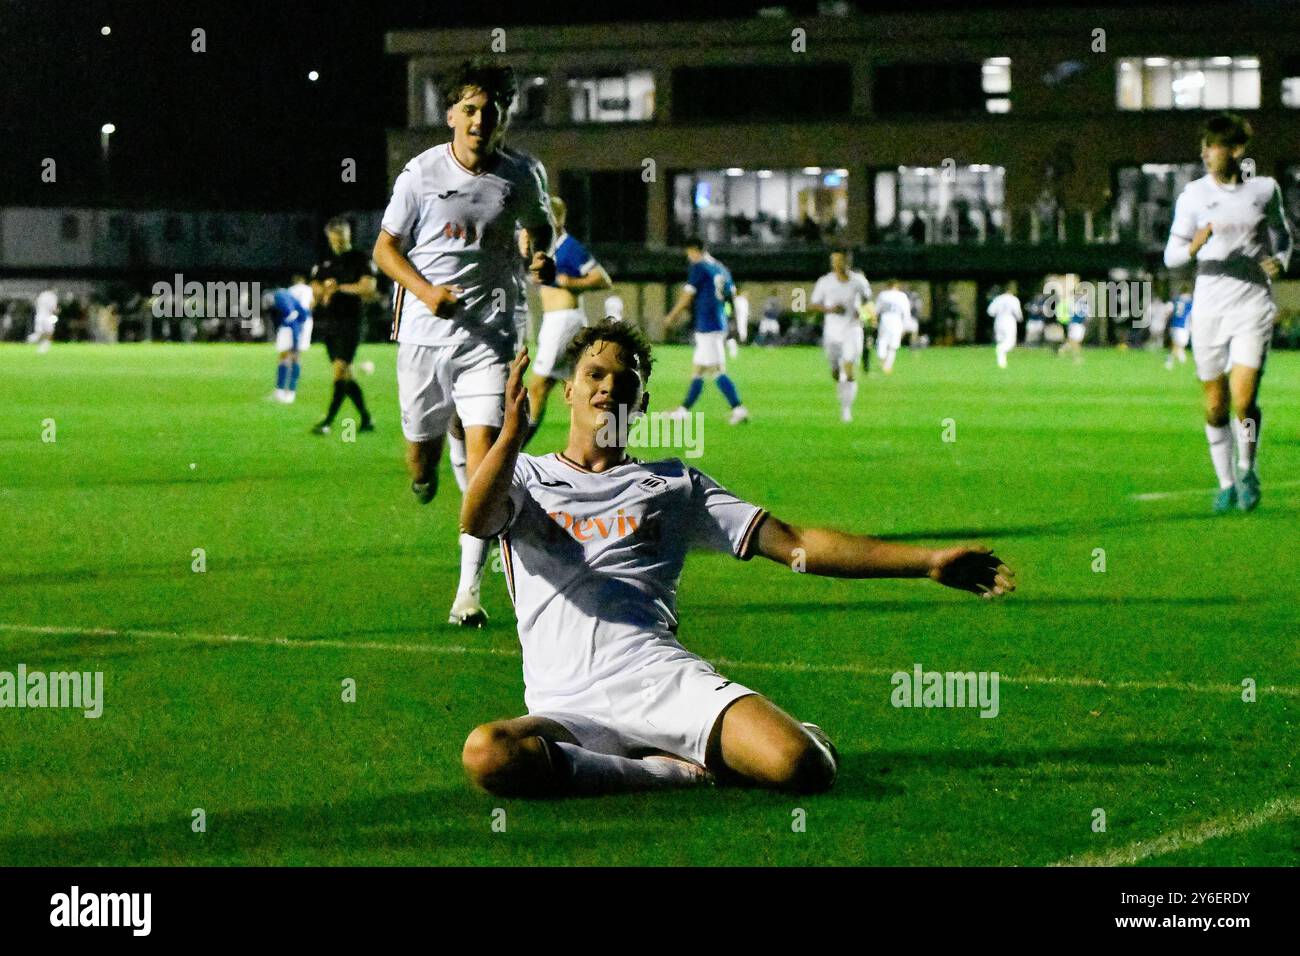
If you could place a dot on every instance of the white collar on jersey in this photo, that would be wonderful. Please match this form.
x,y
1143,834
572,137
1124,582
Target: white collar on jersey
x,y
561,456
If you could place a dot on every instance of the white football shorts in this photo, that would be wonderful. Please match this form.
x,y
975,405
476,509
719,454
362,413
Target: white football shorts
x,y
287,341
889,335
553,338
671,706
1222,341
434,380
1180,335
1004,332
711,350
844,346
1077,331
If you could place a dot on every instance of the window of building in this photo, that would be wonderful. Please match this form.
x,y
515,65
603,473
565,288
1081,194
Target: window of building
x,y
431,102
624,97
733,93
529,107
1206,83
931,204
761,206
1145,197
900,88
1291,82
605,206
995,79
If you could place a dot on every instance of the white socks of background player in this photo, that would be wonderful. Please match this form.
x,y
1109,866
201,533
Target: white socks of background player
x,y
473,551
593,773
459,461
1246,431
848,391
1220,439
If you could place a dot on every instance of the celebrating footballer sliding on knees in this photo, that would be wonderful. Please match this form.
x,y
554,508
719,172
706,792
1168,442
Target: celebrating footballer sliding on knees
x,y
594,543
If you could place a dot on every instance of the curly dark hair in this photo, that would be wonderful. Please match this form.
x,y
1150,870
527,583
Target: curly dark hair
x,y
625,336
497,80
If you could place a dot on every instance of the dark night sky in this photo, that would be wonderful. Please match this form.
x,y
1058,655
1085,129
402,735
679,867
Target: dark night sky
x,y
239,126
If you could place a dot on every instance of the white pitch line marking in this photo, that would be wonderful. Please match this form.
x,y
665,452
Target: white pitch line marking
x,y
1207,492
1189,835
799,667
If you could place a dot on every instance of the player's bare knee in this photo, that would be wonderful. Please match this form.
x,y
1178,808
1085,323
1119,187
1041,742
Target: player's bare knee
x,y
804,767
487,755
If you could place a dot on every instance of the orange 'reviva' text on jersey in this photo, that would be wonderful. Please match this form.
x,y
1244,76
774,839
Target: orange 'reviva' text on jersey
x,y
605,526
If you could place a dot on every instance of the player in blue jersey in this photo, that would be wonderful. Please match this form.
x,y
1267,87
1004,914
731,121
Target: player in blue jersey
x,y
293,310
1179,332
576,272
707,292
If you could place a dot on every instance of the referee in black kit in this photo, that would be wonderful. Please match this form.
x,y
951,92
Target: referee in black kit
x,y
340,283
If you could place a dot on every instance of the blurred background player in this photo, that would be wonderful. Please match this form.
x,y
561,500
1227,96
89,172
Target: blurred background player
x,y
458,205
1077,326
893,315
47,316
293,337
576,272
708,287
340,283
1156,315
1179,332
1235,229
1035,319
769,326
740,306
1006,314
838,296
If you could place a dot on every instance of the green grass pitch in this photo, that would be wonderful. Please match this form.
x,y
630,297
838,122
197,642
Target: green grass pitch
x,y
1120,689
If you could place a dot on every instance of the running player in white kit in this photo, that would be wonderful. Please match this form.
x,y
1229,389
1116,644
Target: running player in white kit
x,y
838,296
1234,227
1006,315
458,205
47,316
576,272
595,543
893,313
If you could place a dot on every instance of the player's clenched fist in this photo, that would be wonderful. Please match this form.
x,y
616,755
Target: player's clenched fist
x,y
442,299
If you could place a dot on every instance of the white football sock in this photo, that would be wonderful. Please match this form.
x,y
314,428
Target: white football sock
x,y
1220,439
848,391
591,773
1246,449
473,555
459,461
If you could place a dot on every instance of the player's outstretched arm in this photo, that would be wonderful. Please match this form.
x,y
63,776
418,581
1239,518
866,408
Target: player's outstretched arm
x,y
838,554
485,509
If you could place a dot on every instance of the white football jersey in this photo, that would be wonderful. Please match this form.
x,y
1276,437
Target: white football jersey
x,y
461,226
894,303
842,299
301,293
1005,305
47,303
1248,226
592,563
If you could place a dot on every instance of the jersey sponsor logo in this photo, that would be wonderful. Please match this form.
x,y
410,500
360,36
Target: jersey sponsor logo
x,y
604,527
457,230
